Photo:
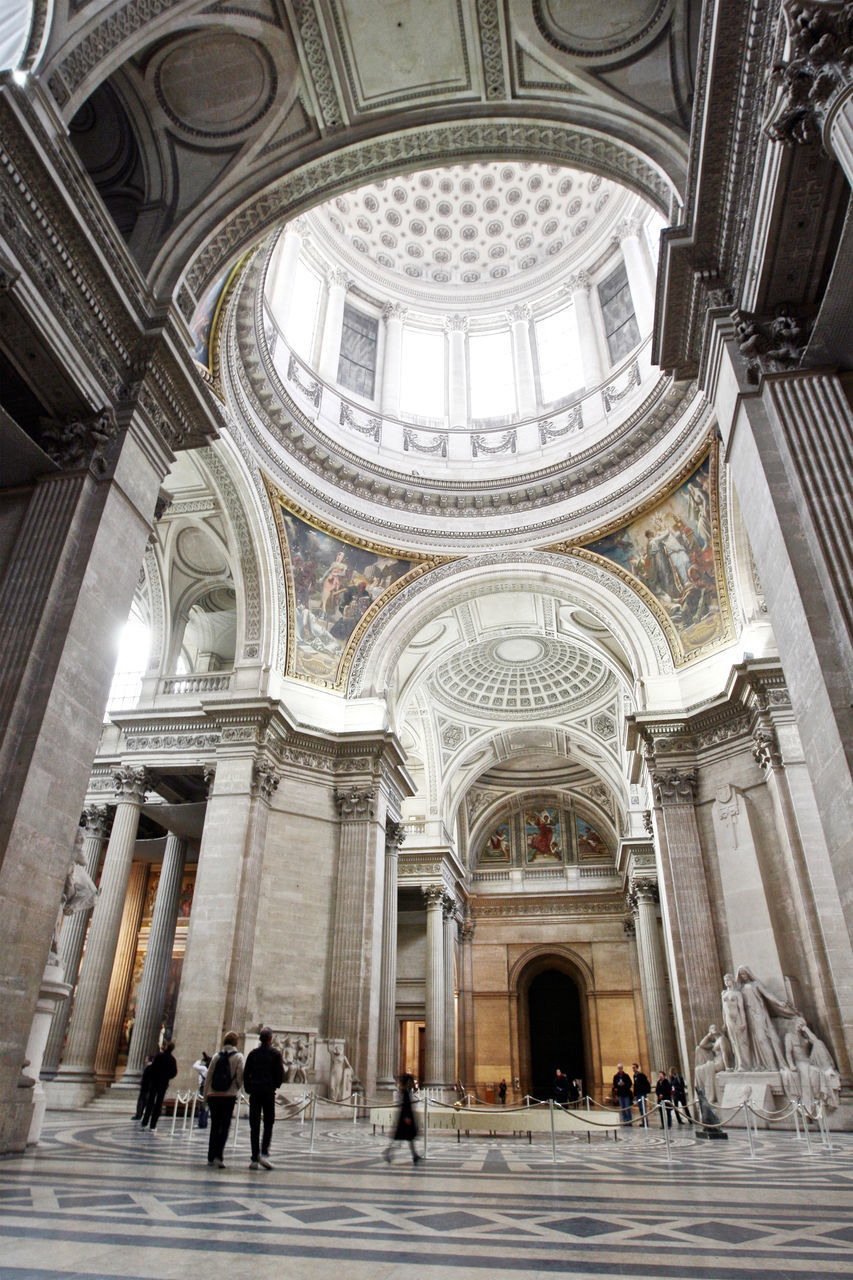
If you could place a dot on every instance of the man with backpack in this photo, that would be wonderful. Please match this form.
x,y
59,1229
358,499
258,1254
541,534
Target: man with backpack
x,y
263,1074
222,1086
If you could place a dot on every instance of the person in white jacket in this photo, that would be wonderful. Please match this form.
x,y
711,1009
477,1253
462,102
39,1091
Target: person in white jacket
x,y
222,1086
200,1065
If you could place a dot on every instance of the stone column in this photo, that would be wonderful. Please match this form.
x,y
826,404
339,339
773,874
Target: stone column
x,y
466,1003
289,252
75,1081
653,979
695,962
639,268
456,328
338,282
394,315
389,1050
263,787
354,979
788,441
522,359
109,1040
434,993
158,958
593,358
95,822
450,931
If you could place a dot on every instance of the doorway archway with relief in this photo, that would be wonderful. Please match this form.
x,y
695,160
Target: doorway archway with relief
x,y
553,1023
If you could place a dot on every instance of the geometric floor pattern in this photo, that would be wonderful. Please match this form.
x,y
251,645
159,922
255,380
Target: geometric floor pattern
x,y
101,1199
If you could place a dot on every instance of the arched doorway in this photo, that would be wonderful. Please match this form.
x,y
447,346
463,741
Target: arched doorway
x,y
556,1030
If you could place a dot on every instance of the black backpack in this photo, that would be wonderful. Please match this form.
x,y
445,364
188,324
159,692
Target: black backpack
x,y
220,1081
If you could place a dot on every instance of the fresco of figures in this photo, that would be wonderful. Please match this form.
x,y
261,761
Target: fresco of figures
x,y
496,848
334,584
591,847
542,835
669,550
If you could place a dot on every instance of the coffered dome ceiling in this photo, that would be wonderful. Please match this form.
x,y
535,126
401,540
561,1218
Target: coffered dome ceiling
x,y
519,675
471,226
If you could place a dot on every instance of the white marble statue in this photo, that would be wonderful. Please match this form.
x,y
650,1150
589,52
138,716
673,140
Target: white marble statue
x,y
713,1055
811,1074
734,1020
340,1076
759,1003
78,894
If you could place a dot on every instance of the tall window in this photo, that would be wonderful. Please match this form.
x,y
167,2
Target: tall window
x,y
558,348
133,647
492,376
422,375
304,310
357,365
617,307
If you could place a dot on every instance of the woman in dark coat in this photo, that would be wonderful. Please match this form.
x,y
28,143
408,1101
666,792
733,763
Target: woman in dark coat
x,y
407,1128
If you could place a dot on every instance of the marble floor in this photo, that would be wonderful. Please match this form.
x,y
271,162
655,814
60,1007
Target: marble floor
x,y
103,1200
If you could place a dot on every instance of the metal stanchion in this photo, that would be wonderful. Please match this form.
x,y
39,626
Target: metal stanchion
x,y
553,1131
666,1116
797,1124
313,1117
748,1128
821,1111
805,1119
426,1124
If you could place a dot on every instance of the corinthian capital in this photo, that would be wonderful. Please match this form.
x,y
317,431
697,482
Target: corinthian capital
x,y
394,311
433,896
645,890
338,277
579,282
132,784
95,821
265,780
456,324
627,229
820,44
357,804
395,834
673,786
520,311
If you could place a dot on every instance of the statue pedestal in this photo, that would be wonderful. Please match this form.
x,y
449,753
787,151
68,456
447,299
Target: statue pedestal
x,y
52,992
764,1089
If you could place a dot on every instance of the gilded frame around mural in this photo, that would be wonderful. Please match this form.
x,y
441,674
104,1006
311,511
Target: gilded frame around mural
x,y
279,501
680,655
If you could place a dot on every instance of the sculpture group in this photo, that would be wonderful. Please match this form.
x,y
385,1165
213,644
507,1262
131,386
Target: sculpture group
x,y
764,1034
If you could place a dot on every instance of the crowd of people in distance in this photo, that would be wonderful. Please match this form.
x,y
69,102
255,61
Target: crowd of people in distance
x,y
670,1091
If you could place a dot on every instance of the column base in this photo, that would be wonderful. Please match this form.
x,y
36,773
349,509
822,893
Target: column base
x,y
16,1116
130,1080
69,1090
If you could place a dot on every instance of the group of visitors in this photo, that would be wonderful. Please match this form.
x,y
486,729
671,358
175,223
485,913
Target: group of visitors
x,y
221,1079
670,1091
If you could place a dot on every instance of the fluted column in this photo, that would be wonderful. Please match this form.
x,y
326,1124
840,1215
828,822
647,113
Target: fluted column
x,y
338,282
78,1067
456,328
522,359
589,332
118,991
434,993
449,958
691,926
466,1002
355,970
290,249
264,785
654,984
394,315
388,1051
95,822
155,970
639,268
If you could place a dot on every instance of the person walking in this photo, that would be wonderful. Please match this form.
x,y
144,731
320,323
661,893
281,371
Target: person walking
x,y
163,1069
144,1088
561,1088
502,1092
200,1065
642,1089
263,1075
663,1091
222,1086
407,1127
623,1088
679,1095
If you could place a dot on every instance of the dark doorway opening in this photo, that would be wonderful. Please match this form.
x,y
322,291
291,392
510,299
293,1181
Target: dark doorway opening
x,y
556,1037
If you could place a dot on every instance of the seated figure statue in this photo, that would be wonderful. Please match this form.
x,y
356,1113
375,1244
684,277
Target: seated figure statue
x,y
713,1054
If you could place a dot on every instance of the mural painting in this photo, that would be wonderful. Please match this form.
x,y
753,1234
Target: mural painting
x,y
202,321
542,835
590,843
670,550
334,584
497,848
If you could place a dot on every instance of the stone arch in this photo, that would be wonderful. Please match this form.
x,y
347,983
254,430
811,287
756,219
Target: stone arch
x,y
534,961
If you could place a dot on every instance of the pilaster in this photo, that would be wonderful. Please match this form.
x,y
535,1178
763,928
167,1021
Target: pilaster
x,y
387,1065
434,994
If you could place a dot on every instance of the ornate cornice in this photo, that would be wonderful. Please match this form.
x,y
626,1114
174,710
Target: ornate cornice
x,y
566,905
